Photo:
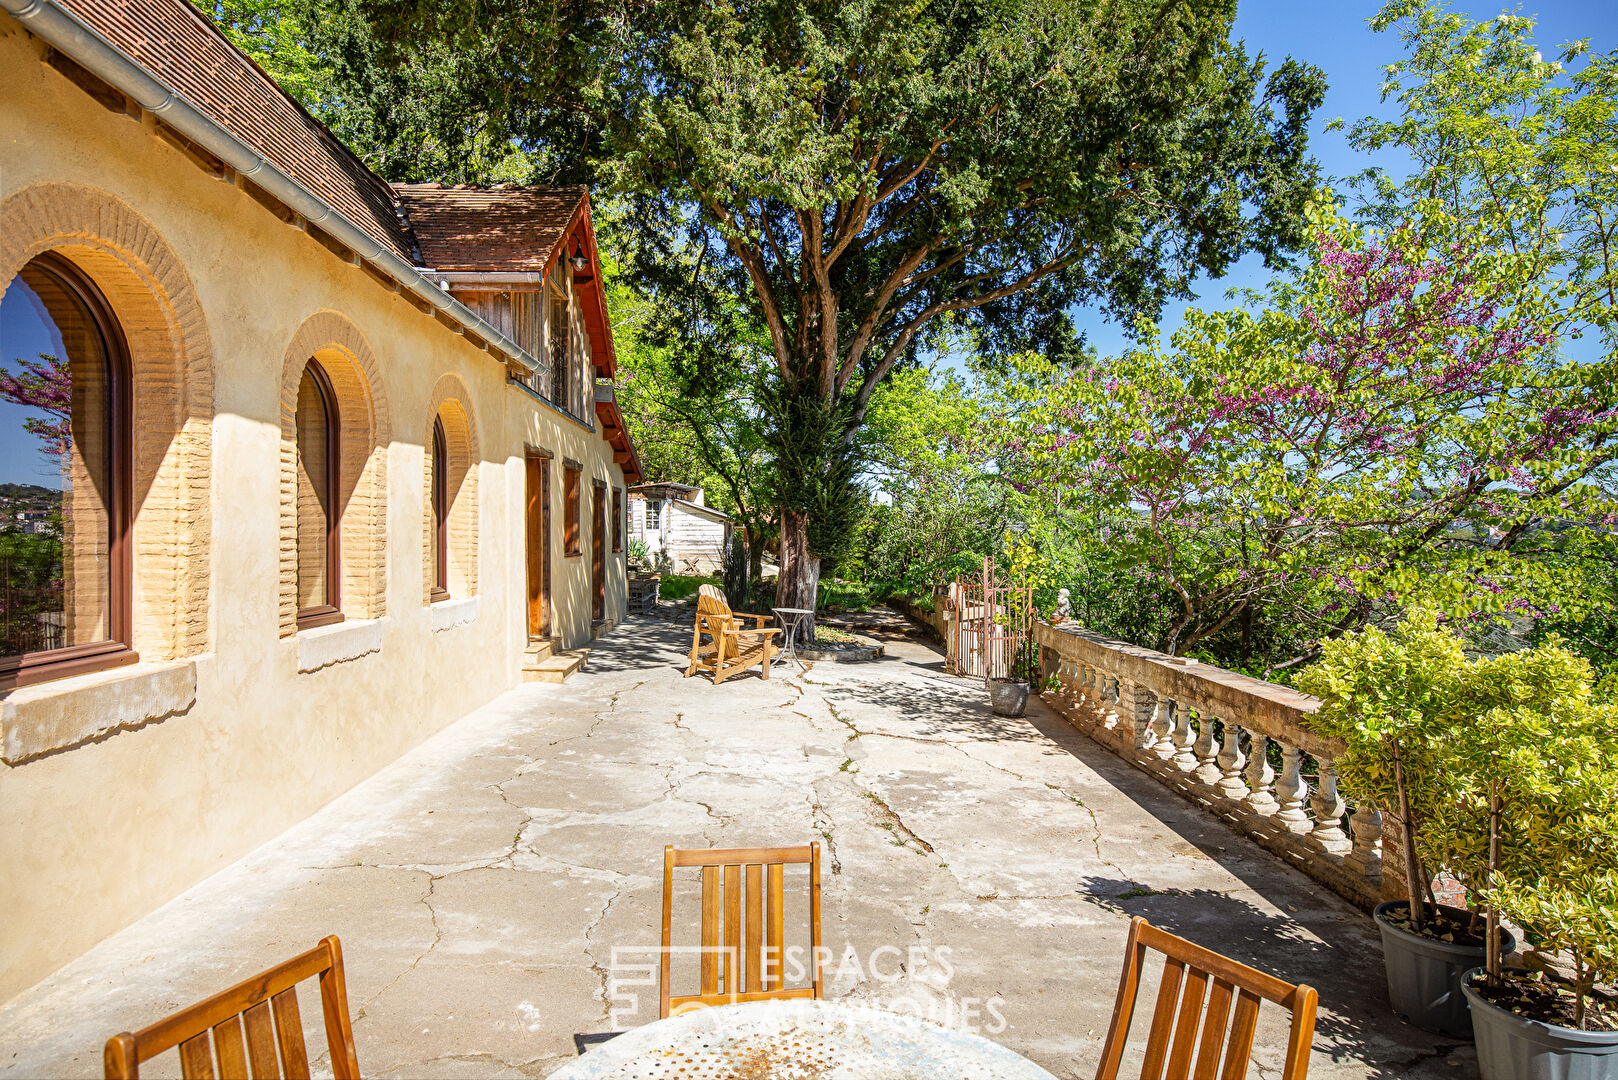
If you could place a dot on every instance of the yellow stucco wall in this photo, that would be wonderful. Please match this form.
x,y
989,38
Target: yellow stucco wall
x,y
101,830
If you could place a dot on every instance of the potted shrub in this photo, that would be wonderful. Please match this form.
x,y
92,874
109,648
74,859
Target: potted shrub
x,y
1392,699
1534,833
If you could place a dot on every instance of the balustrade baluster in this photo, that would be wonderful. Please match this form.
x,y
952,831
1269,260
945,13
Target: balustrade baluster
x,y
1365,857
1110,695
1185,759
1231,760
1329,807
1140,711
1260,777
1163,727
1206,750
1291,790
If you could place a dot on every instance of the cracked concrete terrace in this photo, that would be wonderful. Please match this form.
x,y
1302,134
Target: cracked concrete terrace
x,y
480,883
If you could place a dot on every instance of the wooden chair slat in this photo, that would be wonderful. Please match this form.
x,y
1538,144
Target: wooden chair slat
x,y
1185,1029
261,1042
733,929
776,935
755,928
743,920
1213,1031
265,1009
289,1035
1157,1040
1241,1035
740,855
1198,1027
227,1041
196,1058
710,929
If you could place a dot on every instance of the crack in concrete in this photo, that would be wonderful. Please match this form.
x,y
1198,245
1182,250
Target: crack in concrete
x,y
892,820
426,899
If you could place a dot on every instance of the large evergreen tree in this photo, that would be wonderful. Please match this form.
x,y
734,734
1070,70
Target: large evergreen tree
x,y
860,172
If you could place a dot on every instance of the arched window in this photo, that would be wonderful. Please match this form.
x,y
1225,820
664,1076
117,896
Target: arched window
x,y
65,551
440,496
319,523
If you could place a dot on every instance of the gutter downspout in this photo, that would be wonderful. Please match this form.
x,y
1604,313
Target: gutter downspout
x,y
64,30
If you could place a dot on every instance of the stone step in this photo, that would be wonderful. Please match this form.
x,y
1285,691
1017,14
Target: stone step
x,y
537,651
555,669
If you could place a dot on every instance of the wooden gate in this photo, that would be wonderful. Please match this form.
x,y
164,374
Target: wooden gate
x,y
992,625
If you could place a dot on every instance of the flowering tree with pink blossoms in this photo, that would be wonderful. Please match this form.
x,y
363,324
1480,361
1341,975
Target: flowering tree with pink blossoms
x,y
45,384
1395,423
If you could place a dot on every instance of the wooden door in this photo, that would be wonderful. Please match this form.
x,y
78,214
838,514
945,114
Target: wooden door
x,y
598,554
538,535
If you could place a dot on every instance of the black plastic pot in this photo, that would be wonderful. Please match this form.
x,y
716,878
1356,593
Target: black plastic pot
x,y
1008,697
1424,974
1512,1047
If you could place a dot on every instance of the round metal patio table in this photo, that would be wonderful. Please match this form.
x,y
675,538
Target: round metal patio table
x,y
793,627
794,1040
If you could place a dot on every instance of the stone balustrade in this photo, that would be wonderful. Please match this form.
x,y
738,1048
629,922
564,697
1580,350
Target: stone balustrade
x,y
1206,733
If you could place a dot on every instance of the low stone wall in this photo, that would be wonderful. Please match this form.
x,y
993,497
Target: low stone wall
x,y
931,621
1205,732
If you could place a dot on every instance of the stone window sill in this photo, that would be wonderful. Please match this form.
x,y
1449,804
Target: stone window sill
x,y
323,646
451,613
59,715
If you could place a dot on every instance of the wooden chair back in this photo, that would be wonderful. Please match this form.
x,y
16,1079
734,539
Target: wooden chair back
x,y
742,931
270,1050
1183,1029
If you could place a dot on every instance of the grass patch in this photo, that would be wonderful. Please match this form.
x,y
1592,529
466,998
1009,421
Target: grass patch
x,y
844,596
834,636
680,586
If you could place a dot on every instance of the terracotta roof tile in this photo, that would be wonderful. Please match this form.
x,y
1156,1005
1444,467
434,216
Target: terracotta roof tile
x,y
180,48
469,228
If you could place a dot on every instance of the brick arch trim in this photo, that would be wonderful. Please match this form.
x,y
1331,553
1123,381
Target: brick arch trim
x,y
364,430
451,404
171,354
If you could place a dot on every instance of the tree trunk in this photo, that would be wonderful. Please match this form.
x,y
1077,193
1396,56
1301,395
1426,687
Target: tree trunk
x,y
1413,875
800,569
755,554
1491,953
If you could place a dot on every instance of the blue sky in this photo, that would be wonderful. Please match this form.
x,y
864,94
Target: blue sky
x,y
1334,36
25,331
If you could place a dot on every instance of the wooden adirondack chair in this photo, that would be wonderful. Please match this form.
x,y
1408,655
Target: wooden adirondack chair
x,y
731,646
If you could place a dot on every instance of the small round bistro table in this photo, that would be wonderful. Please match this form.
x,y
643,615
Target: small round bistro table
x,y
791,1040
792,621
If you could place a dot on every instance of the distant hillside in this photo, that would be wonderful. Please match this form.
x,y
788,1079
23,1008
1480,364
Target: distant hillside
x,y
29,497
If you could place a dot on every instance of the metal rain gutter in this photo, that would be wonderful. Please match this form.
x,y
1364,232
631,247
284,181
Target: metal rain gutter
x,y
64,30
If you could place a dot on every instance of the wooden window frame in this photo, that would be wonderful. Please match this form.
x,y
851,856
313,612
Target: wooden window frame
x,y
440,503
572,496
618,525
25,669
331,611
